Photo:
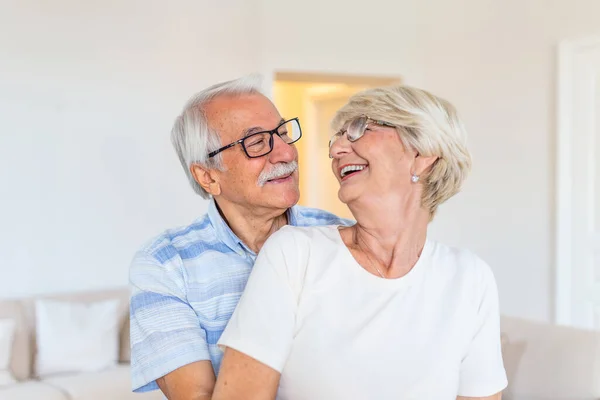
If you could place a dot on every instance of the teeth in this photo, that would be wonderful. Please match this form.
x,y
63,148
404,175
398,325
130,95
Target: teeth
x,y
350,168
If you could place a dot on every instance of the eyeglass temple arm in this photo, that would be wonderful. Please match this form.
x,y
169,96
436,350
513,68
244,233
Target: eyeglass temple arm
x,y
214,153
379,122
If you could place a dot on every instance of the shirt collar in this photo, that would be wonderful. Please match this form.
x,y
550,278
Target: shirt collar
x,y
224,232
292,214
226,235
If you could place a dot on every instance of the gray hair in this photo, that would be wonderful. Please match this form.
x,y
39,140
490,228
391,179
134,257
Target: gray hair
x,y
191,135
426,123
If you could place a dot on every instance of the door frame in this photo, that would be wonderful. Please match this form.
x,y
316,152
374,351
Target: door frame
x,y
568,58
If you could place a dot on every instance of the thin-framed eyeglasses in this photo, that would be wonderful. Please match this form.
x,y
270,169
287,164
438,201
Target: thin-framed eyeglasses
x,y
356,129
259,144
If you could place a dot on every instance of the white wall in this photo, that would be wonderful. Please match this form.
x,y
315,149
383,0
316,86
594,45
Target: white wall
x,y
89,90
88,93
495,60
498,64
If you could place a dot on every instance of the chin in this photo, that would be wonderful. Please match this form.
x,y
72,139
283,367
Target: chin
x,y
346,196
284,197
290,198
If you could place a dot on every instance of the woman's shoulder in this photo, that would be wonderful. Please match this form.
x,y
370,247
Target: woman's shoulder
x,y
463,270
302,244
293,249
460,262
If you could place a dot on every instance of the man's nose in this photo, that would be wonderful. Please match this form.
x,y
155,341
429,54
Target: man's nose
x,y
282,151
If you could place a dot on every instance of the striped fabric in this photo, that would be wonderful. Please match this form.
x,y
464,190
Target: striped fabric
x,y
185,286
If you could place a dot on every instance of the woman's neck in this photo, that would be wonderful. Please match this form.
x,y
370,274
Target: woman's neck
x,y
391,233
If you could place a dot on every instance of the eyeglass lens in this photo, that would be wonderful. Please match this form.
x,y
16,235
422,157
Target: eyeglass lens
x,y
259,144
355,130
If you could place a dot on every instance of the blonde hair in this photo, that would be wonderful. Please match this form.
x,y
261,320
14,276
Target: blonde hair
x,y
426,123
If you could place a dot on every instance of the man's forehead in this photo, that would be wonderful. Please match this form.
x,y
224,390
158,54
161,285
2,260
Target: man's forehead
x,y
260,128
237,114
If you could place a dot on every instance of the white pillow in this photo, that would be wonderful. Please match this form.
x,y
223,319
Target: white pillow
x,y
76,337
7,331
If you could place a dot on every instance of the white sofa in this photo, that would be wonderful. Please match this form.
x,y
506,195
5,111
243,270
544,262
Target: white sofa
x,y
113,383
543,361
550,362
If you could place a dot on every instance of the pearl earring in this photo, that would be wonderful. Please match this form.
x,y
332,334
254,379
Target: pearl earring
x,y
414,178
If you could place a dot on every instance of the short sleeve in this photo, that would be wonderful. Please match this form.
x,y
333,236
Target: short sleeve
x,y
482,369
165,332
262,326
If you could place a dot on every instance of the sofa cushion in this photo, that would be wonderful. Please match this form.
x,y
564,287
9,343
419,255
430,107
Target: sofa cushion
x,y
76,336
23,312
527,397
21,350
512,353
7,331
125,341
113,384
31,390
122,294
558,362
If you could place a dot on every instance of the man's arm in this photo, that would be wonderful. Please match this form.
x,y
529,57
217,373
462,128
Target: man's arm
x,y
243,378
194,381
169,350
497,396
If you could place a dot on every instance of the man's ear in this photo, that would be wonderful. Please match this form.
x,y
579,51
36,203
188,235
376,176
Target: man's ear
x,y
206,178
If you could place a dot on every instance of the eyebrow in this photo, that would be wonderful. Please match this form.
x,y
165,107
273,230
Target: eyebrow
x,y
255,129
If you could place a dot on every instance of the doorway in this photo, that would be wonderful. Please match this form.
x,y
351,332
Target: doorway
x,y
314,99
578,184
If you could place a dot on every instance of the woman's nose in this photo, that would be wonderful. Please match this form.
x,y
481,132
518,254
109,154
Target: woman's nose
x,y
340,147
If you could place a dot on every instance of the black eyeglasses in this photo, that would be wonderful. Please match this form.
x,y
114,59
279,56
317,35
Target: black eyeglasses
x,y
356,129
261,143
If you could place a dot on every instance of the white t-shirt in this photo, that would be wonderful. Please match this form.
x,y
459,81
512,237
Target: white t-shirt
x,y
335,331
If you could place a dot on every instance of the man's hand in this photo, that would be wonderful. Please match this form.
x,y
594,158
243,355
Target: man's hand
x,y
194,381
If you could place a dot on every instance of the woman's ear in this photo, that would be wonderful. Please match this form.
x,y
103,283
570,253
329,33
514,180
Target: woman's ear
x,y
206,178
422,163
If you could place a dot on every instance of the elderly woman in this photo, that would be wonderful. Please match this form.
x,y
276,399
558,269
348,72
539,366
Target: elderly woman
x,y
377,310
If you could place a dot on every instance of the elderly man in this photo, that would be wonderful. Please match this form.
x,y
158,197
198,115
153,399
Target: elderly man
x,y
239,152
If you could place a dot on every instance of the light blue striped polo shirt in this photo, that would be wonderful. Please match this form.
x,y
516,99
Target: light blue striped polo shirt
x,y
185,286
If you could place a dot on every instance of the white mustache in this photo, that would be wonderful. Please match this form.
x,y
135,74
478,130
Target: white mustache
x,y
278,171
